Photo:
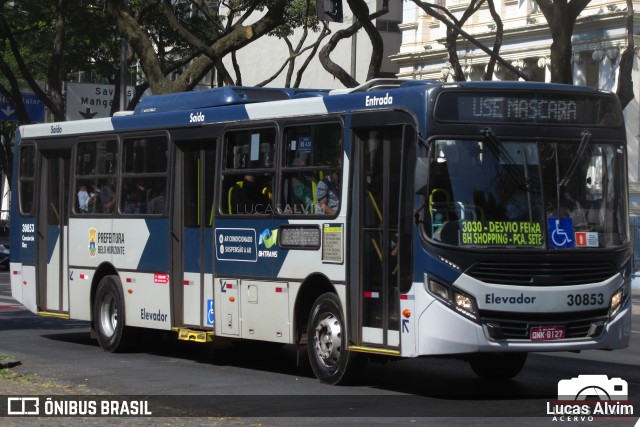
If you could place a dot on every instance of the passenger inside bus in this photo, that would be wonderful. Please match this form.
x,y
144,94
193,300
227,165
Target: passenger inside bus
x,y
136,200
328,193
107,192
157,200
85,200
302,187
249,196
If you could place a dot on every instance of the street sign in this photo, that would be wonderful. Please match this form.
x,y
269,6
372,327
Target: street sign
x,y
33,105
89,101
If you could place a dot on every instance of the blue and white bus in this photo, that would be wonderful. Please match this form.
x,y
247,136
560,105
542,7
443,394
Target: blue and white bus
x,y
480,220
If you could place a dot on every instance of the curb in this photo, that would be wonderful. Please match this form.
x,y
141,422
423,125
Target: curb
x,y
9,363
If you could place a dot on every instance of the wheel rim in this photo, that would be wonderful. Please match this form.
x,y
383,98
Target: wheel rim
x,y
108,315
327,340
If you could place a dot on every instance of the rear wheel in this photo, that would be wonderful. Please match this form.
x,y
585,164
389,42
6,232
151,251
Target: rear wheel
x,y
108,316
330,360
497,366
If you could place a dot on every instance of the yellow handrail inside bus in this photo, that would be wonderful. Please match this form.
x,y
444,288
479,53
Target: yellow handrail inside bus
x,y
55,211
314,196
375,205
373,240
377,248
239,184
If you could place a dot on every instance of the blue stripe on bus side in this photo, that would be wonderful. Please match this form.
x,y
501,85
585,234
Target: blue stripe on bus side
x,y
208,250
53,235
356,102
155,256
23,251
180,118
266,262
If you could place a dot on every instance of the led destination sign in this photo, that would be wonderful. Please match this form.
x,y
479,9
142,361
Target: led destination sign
x,y
528,108
300,236
500,233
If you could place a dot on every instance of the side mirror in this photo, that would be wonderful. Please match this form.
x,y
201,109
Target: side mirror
x,y
421,176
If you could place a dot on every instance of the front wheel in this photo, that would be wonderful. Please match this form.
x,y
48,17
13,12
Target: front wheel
x,y
330,360
108,316
497,366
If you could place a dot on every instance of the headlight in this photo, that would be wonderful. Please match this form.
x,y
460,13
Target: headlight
x,y
439,290
466,305
618,299
454,299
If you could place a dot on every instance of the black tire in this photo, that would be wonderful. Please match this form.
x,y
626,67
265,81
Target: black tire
x,y
330,360
108,317
497,366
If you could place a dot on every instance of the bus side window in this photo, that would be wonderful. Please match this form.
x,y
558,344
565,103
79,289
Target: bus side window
x,y
311,154
96,183
144,180
27,179
248,172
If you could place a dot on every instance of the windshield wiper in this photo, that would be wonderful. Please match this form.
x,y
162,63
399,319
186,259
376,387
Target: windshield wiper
x,y
586,137
498,150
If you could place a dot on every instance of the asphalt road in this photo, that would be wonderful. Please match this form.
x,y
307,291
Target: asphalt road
x,y
264,385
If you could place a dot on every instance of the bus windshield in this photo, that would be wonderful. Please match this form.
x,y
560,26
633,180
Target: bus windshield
x,y
490,192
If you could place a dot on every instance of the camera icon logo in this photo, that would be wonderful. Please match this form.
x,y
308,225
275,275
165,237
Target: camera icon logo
x,y
593,388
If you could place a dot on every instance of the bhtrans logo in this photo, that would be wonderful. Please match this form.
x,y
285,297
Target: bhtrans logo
x,y
590,398
268,238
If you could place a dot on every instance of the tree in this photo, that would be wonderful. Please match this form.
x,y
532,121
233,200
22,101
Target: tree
x,y
44,42
452,37
18,30
219,41
454,28
299,14
362,20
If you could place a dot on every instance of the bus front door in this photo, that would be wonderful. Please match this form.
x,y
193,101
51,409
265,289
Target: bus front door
x,y
192,235
379,210
52,225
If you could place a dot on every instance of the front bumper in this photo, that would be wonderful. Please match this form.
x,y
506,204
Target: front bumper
x,y
505,327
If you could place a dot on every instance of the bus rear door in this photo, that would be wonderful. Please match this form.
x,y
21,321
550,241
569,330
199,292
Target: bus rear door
x,y
192,235
52,222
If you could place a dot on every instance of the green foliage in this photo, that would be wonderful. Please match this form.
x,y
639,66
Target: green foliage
x,y
299,14
91,41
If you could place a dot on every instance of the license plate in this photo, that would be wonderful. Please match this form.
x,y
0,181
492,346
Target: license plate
x,y
547,333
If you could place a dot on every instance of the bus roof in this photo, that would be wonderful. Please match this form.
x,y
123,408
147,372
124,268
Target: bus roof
x,y
226,95
244,103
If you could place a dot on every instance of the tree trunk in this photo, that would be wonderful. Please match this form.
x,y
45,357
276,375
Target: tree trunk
x,y
625,80
561,18
361,12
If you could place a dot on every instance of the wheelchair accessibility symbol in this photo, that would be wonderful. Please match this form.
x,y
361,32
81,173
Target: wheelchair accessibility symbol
x,y
561,233
210,314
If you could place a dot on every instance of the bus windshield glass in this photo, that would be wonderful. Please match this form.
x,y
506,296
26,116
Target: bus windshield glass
x,y
493,193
